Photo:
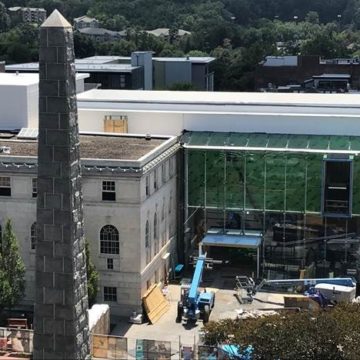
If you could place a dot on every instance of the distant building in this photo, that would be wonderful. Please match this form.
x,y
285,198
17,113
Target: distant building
x,y
291,70
165,33
101,34
140,71
85,22
27,14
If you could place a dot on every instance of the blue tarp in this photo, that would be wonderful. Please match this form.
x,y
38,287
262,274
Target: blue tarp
x,y
238,241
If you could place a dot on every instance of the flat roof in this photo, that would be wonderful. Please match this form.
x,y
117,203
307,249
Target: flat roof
x,y
237,241
79,66
26,79
271,142
93,146
21,79
221,98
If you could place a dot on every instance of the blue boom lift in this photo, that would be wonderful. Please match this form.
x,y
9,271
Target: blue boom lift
x,y
195,304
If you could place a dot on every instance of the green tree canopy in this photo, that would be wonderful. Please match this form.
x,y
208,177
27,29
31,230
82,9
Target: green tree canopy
x,y
92,277
12,270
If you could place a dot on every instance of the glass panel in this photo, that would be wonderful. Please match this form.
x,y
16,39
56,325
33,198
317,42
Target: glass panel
x,y
355,143
275,181
234,180
298,142
254,184
215,178
295,182
196,177
233,220
339,143
319,142
314,182
215,220
254,221
236,139
278,141
258,140
218,139
356,186
199,138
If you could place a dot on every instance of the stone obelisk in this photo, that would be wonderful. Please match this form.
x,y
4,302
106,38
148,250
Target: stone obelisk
x,y
60,318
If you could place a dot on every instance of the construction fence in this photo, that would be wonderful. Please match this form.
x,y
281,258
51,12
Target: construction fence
x,y
19,342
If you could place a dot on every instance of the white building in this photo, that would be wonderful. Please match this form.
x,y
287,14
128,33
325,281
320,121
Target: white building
x,y
129,189
19,98
28,14
171,112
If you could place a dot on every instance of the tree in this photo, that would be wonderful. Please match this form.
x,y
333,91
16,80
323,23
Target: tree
x,y
4,18
12,270
327,334
92,277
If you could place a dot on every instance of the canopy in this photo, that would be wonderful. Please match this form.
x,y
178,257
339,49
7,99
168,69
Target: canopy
x,y
238,241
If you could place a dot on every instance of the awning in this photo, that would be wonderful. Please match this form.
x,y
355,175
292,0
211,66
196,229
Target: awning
x,y
238,241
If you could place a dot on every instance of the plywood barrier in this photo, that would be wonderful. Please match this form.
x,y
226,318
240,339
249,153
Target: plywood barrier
x,y
155,304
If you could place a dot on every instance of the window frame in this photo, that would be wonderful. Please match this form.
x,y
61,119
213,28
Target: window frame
x,y
5,186
33,236
111,245
34,183
110,293
108,190
329,159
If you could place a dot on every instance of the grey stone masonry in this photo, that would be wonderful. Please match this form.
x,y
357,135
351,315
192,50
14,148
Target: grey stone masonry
x,y
60,318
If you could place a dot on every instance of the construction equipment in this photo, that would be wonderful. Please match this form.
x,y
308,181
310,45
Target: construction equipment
x,y
245,288
195,304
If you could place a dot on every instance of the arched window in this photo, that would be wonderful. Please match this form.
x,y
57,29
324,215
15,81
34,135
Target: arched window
x,y
147,234
109,240
155,226
147,242
33,236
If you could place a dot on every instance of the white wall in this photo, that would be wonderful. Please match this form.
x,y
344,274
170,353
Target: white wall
x,y
159,123
14,102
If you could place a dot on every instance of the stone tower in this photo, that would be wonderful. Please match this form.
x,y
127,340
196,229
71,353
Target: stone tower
x,y
60,319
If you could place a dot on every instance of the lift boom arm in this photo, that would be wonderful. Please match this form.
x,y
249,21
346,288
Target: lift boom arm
x,y
196,280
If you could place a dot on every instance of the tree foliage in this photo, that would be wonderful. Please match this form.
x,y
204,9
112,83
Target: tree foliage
x,y
92,277
332,334
12,270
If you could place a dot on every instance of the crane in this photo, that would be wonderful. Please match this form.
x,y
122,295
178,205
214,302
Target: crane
x,y
194,303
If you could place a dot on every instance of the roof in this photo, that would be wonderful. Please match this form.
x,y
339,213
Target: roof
x,y
20,79
332,76
79,66
16,8
224,98
237,241
94,146
85,18
26,79
271,142
56,20
99,31
192,59
166,31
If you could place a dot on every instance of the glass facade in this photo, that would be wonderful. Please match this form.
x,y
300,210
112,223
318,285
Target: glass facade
x,y
301,192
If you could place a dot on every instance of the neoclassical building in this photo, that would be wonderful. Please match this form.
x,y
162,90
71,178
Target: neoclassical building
x,y
129,188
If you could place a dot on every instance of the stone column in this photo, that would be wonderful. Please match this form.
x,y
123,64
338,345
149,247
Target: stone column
x,y
60,318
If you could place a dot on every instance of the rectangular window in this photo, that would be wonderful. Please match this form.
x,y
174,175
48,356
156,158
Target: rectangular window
x,y
110,294
110,264
5,188
147,186
108,191
163,173
337,190
34,187
155,180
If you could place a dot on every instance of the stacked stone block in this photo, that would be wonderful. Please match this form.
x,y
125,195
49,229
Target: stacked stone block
x,y
60,319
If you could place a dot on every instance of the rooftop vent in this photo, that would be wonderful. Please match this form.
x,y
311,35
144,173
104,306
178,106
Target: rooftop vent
x,y
5,150
147,137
